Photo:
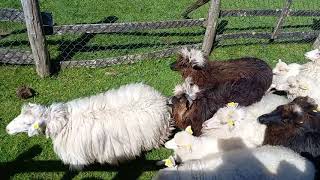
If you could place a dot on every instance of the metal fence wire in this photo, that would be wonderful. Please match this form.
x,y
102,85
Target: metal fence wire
x,y
117,33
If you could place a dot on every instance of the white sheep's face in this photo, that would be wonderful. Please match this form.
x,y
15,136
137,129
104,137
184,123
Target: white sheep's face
x,y
313,55
280,68
298,86
181,139
25,122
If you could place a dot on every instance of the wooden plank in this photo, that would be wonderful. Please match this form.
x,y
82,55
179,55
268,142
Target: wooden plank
x,y
212,24
126,27
12,56
264,35
316,44
193,7
267,12
36,36
281,19
129,59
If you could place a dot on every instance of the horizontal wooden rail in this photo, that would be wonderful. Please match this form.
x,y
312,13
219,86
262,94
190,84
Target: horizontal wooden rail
x,y
125,27
268,12
129,59
264,35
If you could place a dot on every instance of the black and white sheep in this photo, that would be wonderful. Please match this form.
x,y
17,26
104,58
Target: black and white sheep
x,y
295,125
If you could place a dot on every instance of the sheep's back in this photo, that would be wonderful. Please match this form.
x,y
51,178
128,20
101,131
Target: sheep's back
x,y
261,163
114,126
244,80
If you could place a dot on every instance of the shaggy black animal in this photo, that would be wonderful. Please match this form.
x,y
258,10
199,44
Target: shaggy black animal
x,y
252,76
295,125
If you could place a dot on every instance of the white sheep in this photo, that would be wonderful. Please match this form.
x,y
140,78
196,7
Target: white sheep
x,y
266,162
303,86
281,72
110,127
313,55
219,135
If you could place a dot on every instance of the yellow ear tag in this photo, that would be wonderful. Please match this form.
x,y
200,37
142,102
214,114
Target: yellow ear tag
x,y
304,87
189,130
230,122
189,147
232,104
36,125
168,162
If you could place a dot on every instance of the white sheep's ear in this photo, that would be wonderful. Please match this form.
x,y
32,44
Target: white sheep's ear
x,y
279,61
189,130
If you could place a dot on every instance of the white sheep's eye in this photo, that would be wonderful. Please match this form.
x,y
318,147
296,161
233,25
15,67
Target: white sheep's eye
x,y
292,85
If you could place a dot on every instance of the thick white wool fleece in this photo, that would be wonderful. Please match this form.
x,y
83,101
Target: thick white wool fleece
x,y
311,70
266,162
185,53
197,58
303,86
246,125
282,72
110,127
313,55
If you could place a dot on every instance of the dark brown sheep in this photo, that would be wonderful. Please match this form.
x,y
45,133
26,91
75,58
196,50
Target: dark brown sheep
x,y
252,76
295,125
195,110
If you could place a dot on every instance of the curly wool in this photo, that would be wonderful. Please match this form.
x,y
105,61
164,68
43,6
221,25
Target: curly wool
x,y
282,72
303,86
110,127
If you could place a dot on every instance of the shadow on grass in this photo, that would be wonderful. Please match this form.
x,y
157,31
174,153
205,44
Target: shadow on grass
x,y
24,163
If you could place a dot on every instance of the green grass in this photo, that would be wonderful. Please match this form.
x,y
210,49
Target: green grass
x,y
79,82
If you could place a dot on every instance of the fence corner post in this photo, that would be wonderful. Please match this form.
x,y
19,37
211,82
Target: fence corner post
x,y
212,23
31,10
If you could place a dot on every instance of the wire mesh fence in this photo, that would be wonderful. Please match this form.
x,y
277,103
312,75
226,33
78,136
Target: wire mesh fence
x,y
97,34
14,45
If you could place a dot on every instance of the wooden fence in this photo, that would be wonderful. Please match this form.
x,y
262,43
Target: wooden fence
x,y
41,24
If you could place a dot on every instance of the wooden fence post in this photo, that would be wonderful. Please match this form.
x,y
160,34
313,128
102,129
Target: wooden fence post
x,y
31,10
193,7
212,22
316,44
284,14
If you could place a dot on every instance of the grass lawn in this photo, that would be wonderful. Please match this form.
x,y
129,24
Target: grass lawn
x,y
33,158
